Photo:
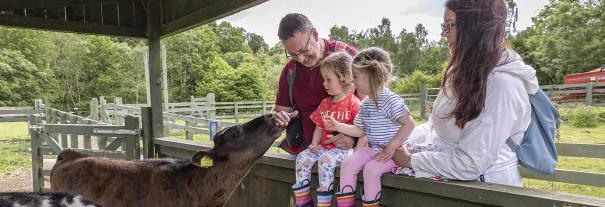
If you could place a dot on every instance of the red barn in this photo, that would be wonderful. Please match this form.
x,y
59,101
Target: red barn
x,y
597,75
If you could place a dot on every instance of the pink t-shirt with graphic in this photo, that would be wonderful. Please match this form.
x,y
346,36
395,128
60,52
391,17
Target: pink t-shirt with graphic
x,y
343,111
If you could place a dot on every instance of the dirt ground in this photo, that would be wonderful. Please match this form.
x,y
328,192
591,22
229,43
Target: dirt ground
x,y
20,180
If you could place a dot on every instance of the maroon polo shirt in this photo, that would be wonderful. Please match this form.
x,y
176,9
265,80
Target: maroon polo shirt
x,y
308,89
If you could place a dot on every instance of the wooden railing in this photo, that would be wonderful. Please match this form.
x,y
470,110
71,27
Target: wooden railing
x,y
269,184
55,130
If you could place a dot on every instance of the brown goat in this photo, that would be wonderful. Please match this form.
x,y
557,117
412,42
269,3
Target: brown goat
x,y
168,182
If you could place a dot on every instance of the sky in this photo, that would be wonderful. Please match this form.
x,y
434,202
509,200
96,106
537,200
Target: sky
x,y
358,15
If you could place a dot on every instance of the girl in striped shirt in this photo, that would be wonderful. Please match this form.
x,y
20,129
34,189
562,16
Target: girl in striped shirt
x,y
384,121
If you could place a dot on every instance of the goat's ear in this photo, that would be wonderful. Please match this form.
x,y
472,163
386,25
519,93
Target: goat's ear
x,y
203,159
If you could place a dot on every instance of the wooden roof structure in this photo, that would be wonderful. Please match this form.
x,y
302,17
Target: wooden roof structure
x,y
149,19
117,17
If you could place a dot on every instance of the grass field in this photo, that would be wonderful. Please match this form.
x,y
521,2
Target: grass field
x,y
14,147
15,155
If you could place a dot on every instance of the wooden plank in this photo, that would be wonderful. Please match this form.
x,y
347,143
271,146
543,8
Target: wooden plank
x,y
87,139
93,130
175,152
568,176
195,130
115,144
16,118
36,142
131,145
154,28
45,172
71,26
52,143
103,153
581,150
187,145
485,194
48,150
213,11
73,138
471,192
148,141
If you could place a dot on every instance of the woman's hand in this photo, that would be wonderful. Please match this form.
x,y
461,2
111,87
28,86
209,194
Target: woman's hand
x,y
402,157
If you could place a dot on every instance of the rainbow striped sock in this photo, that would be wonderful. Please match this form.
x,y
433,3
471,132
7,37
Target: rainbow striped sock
x,y
374,203
324,198
303,196
345,199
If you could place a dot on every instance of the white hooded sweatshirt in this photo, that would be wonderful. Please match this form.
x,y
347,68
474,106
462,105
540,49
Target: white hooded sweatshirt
x,y
479,148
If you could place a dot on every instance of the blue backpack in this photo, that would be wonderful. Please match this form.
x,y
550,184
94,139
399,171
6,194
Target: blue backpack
x,y
537,151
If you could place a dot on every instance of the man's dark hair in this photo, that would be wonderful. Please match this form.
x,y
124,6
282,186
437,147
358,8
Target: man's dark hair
x,y
292,23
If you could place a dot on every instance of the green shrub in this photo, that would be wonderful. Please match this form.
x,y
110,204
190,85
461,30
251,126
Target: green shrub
x,y
583,116
413,82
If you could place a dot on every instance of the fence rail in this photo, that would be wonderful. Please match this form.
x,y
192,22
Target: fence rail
x,y
53,130
205,116
270,181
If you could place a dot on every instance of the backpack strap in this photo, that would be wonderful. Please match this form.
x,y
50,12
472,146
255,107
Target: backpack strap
x,y
291,77
512,145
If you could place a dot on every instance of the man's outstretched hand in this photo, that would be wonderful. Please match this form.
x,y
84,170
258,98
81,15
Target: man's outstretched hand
x,y
282,118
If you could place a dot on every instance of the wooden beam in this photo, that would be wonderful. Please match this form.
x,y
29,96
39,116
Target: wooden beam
x,y
68,26
581,150
154,22
568,176
212,12
30,4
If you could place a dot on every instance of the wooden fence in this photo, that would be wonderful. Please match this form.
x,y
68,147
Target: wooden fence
x,y
591,94
14,114
52,130
269,184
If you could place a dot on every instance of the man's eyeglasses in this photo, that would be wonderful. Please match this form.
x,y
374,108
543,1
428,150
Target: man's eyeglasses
x,y
446,27
302,51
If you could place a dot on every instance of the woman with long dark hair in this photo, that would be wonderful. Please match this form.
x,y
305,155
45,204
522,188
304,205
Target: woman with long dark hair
x,y
484,100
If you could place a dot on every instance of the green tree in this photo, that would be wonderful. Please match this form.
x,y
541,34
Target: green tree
x,y
567,37
20,80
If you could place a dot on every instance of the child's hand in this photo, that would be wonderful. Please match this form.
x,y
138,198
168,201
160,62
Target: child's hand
x,y
330,124
314,148
386,154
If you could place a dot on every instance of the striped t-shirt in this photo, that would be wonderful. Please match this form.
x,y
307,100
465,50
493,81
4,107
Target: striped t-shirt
x,y
380,123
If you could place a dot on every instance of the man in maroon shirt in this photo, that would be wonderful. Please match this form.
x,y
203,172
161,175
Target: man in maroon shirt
x,y
306,51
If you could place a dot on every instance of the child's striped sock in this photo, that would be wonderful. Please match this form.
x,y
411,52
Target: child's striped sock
x,y
303,196
324,198
345,199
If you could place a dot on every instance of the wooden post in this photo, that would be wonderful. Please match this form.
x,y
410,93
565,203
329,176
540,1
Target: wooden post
x,y
423,99
87,140
154,22
148,148
210,106
236,112
102,141
165,77
94,115
264,107
94,109
38,106
73,138
119,118
64,120
131,142
589,87
36,142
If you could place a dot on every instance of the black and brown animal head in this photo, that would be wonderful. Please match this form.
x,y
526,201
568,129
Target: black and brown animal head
x,y
241,143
